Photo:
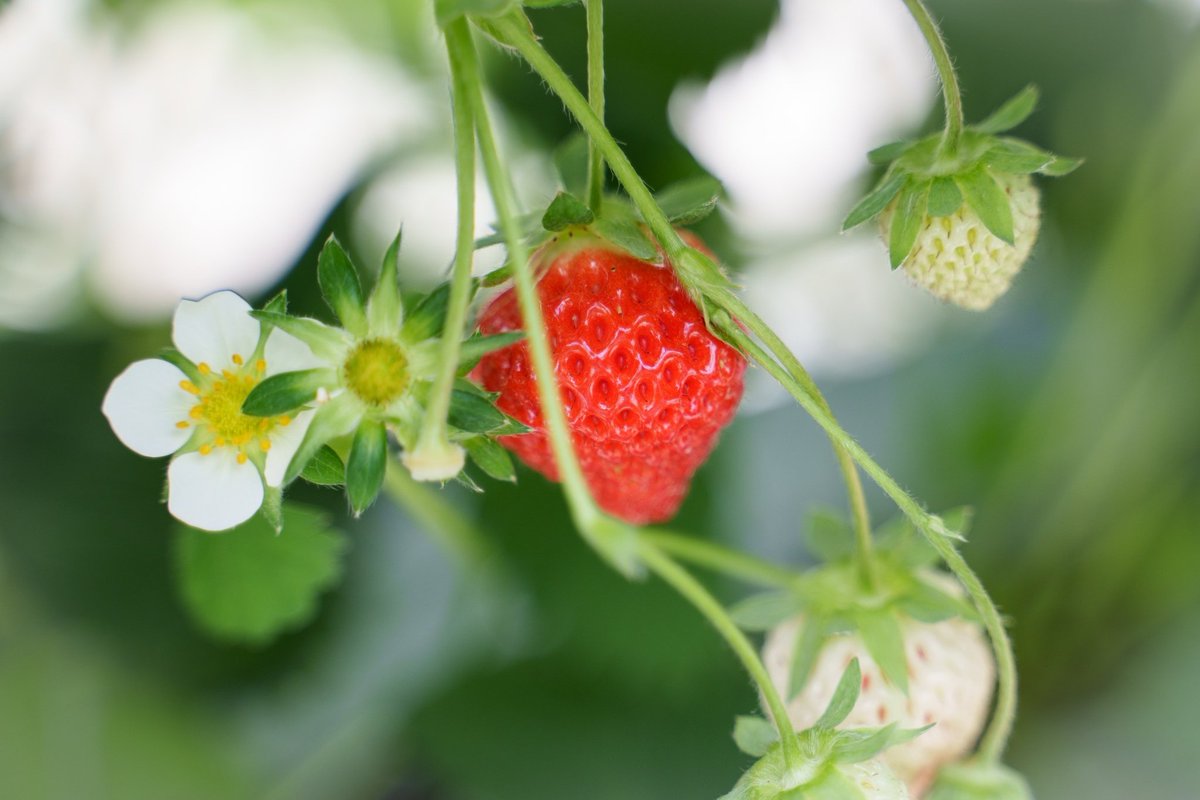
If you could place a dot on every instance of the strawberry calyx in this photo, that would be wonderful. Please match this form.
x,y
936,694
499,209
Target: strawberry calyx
x,y
928,178
979,781
834,601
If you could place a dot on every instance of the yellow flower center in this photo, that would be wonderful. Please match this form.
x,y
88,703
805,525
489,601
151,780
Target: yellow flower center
x,y
218,410
377,372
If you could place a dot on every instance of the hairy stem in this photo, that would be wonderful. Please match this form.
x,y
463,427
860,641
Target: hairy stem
x,y
595,51
945,68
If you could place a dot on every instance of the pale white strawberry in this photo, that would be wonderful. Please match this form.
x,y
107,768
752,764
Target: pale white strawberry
x,y
957,259
951,676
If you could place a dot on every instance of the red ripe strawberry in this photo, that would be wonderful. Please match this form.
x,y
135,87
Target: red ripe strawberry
x,y
645,386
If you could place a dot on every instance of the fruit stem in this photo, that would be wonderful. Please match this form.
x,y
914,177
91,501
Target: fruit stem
x,y
513,30
584,512
992,745
433,425
945,68
719,558
595,55
694,592
453,529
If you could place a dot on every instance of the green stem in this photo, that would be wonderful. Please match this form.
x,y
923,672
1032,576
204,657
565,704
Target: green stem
x,y
719,558
513,30
595,51
456,532
433,429
583,508
694,592
992,745
945,68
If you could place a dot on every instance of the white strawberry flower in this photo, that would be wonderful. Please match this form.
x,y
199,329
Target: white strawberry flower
x,y
224,462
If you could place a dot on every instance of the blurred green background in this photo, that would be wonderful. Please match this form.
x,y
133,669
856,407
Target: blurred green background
x,y
1067,416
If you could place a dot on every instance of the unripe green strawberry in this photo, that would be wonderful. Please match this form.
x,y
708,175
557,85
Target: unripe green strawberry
x,y
957,259
950,679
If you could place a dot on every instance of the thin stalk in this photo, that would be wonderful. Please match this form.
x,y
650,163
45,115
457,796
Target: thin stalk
x,y
456,532
945,67
992,745
583,508
719,558
433,433
694,592
595,52
514,31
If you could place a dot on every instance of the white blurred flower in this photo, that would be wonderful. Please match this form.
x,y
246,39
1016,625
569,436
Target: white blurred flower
x,y
787,129
193,152
224,461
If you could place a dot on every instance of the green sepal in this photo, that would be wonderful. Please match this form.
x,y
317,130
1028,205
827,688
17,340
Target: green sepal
x,y
287,391
927,603
1022,158
474,412
886,154
1012,113
988,201
366,465
548,3
478,346
272,508
564,211
689,201
529,226
902,543
339,284
446,11
181,363
976,781
501,274
875,201
841,703
326,342
335,418
428,316
853,746
909,216
325,468
278,303
754,735
829,536
626,233
571,163
944,197
814,632
385,309
761,612
491,458
881,633
464,479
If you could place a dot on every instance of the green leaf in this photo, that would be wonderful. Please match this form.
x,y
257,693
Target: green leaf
x,y
829,535
754,735
250,584
880,632
325,468
875,201
366,465
476,414
627,234
689,201
813,633
886,154
908,220
339,284
331,420
478,346
988,200
1012,113
287,391
446,11
764,611
385,309
944,197
843,699
491,458
564,211
326,342
571,163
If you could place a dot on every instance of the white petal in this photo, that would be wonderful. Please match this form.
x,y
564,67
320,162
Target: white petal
x,y
285,353
285,441
213,492
143,404
214,328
